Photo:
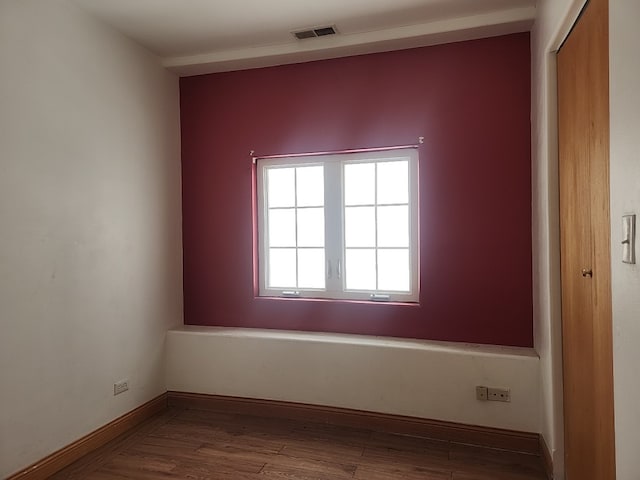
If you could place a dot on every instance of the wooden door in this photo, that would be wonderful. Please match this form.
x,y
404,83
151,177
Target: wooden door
x,y
583,128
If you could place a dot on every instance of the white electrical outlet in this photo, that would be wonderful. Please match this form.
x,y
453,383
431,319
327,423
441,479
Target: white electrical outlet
x,y
499,394
492,394
120,387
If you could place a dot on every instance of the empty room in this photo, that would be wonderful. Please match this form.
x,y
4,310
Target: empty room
x,y
363,239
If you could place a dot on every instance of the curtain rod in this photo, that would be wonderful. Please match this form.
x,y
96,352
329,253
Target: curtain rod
x,y
335,152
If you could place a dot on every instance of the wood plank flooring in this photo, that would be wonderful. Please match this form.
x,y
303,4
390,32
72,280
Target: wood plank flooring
x,y
194,444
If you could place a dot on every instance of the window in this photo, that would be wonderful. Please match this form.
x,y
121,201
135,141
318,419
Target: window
x,y
342,226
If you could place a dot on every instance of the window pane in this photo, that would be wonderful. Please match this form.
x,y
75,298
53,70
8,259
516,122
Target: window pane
x,y
393,270
360,226
393,182
311,227
310,186
393,226
360,269
359,184
311,268
281,185
282,228
282,268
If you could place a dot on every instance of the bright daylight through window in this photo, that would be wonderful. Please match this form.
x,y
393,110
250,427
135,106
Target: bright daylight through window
x,y
342,226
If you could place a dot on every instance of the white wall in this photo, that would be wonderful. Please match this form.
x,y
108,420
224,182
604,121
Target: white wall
x,y
624,38
554,19
403,377
90,243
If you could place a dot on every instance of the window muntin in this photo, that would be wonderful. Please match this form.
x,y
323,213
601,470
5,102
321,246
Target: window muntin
x,y
342,226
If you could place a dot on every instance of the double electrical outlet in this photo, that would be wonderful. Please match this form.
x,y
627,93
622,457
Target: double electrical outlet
x,y
492,394
121,386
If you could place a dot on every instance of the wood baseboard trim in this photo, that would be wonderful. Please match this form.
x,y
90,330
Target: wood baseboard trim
x,y
547,459
74,451
436,429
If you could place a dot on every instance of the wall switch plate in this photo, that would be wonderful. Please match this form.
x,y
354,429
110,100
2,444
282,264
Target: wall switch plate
x,y
120,387
629,238
482,393
499,394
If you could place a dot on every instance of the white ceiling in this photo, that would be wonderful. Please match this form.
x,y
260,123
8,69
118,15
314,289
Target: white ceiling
x,y
196,36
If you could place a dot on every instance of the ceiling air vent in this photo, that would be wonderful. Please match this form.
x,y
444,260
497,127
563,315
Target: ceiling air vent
x,y
315,32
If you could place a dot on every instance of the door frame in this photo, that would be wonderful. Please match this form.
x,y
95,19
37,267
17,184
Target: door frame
x,y
550,211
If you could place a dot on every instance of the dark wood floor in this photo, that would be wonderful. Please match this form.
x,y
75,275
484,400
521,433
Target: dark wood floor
x,y
194,444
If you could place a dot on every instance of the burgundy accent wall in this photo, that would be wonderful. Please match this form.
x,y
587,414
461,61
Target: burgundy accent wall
x,y
471,102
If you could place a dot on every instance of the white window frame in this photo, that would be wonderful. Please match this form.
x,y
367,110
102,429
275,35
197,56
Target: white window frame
x,y
334,224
